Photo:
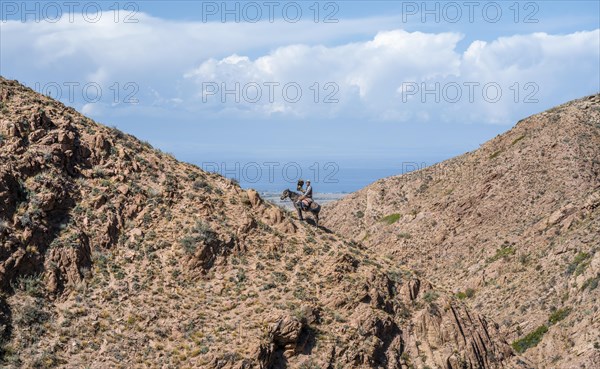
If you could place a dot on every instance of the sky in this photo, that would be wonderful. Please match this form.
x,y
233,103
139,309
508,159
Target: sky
x,y
330,84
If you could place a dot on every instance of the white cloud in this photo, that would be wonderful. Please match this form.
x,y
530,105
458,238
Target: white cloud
x,y
386,78
154,42
170,60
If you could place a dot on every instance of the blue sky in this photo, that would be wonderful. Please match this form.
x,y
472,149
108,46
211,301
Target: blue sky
x,y
163,77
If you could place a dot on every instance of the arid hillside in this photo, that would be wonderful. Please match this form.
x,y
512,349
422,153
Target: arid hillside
x,y
115,255
513,229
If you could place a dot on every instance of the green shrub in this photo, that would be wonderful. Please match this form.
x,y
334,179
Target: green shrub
x,y
245,199
591,283
31,285
189,244
391,219
518,139
496,154
430,296
202,185
469,292
579,264
279,277
32,317
531,340
503,252
200,233
559,315
268,286
359,214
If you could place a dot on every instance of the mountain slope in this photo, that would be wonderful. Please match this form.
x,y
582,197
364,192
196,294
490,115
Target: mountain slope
x,y
513,228
115,255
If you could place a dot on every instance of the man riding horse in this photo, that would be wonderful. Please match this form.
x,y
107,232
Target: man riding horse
x,y
303,202
306,199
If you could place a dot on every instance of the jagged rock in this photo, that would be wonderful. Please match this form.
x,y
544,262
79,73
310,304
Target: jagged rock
x,y
275,216
110,232
286,332
5,94
9,193
254,197
101,146
40,120
379,292
247,223
66,264
382,343
37,135
135,234
287,338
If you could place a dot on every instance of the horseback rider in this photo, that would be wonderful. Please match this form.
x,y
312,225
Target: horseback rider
x,y
305,200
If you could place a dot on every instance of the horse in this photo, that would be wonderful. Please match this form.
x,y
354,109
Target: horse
x,y
294,196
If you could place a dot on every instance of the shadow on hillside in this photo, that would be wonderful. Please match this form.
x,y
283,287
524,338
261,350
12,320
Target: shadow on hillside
x,y
305,345
5,327
313,223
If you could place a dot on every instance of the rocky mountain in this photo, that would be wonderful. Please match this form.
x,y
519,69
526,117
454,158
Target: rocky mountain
x,y
116,255
512,228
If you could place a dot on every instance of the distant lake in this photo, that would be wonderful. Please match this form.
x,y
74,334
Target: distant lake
x,y
274,174
326,179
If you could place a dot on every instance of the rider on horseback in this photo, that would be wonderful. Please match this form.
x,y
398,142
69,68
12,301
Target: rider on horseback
x,y
306,199
303,201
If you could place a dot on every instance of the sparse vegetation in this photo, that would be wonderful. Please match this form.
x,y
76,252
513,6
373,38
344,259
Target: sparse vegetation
x,y
31,285
531,340
390,219
535,337
559,315
202,185
516,140
591,283
496,154
579,264
430,296
200,233
468,293
505,251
